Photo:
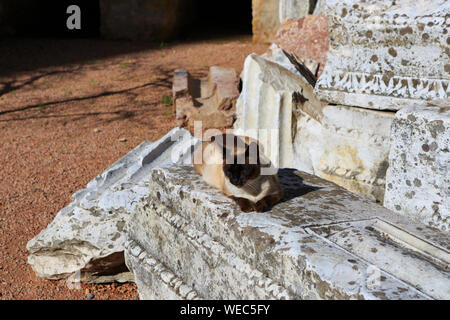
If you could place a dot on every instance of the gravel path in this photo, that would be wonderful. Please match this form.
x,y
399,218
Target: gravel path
x,y
68,110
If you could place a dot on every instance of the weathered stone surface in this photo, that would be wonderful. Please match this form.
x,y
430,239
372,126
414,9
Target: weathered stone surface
x,y
418,178
142,19
386,54
377,7
266,20
294,9
275,54
264,108
88,235
186,240
307,38
165,284
319,8
349,146
211,101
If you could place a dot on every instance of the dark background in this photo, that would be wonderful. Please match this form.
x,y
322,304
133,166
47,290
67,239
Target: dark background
x,y
47,18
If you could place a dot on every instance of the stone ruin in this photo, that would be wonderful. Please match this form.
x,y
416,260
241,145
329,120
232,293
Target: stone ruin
x,y
376,64
363,152
211,100
385,55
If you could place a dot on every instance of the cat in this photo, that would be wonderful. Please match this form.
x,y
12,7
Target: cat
x,y
233,164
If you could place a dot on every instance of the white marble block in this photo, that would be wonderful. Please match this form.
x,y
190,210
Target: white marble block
x,y
187,240
418,178
386,54
86,239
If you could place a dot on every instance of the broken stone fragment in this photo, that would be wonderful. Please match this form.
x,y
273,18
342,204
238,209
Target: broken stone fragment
x,y
306,37
418,177
265,106
276,54
181,86
210,100
188,241
86,239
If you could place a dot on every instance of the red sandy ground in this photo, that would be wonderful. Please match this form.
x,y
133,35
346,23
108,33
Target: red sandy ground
x,y
65,107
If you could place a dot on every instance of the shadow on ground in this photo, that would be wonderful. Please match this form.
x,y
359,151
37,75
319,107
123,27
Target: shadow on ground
x,y
164,80
19,55
293,185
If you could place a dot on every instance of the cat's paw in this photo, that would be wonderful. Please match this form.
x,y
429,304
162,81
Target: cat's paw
x,y
244,204
247,209
261,206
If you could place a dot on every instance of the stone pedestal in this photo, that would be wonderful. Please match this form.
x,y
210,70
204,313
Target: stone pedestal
x,y
386,54
268,15
188,241
418,178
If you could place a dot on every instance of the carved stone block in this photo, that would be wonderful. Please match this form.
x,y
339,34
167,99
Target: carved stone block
x,y
188,241
386,54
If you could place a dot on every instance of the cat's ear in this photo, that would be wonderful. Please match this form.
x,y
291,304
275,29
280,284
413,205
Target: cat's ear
x,y
252,152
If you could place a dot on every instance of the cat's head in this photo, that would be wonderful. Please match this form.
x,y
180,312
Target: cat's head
x,y
240,167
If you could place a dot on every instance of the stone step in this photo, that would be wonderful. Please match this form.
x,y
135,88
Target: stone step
x,y
320,242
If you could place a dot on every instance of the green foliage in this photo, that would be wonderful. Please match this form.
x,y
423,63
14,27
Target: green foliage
x,y
124,65
167,100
